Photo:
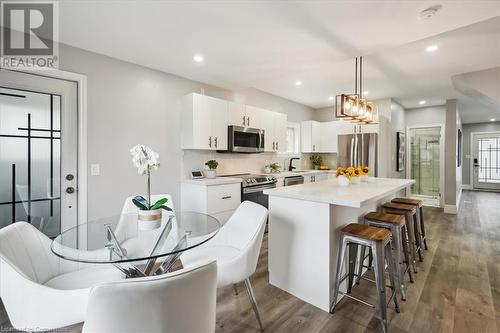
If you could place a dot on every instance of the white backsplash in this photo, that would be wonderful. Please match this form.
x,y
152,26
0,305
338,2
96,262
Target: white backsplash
x,y
232,163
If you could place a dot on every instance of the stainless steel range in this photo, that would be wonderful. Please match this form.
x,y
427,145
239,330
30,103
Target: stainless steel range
x,y
252,187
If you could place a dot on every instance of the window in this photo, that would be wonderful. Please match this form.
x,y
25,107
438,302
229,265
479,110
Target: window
x,y
293,138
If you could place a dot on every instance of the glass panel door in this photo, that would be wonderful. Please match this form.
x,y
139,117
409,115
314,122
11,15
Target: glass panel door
x,y
30,134
486,161
425,164
38,151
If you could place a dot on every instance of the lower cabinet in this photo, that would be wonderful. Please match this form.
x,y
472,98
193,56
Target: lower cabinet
x,y
219,200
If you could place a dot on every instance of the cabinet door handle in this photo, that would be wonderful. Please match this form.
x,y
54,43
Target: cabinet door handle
x,y
248,121
314,147
215,142
274,145
244,121
210,142
226,197
277,146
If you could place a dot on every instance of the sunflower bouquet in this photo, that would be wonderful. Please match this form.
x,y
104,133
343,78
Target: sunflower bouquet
x,y
353,174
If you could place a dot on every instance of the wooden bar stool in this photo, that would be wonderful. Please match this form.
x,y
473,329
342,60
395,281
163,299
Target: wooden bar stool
x,y
420,214
379,241
397,225
410,213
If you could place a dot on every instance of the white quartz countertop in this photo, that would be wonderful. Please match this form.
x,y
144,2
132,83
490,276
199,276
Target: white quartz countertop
x,y
353,195
214,181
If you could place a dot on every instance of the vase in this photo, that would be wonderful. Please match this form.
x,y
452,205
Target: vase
x,y
149,219
210,173
356,180
342,180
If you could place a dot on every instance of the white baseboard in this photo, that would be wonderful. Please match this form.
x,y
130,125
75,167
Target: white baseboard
x,y
450,209
466,187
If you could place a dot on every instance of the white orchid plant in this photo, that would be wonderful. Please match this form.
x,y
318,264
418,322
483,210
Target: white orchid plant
x,y
145,160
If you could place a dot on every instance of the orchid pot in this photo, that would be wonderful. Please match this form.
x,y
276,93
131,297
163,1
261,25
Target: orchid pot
x,y
211,174
149,214
149,219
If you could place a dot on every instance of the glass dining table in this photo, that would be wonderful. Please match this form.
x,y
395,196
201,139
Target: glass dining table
x,y
119,240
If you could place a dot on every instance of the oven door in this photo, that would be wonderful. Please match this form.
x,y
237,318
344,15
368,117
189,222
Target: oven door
x,y
245,139
254,194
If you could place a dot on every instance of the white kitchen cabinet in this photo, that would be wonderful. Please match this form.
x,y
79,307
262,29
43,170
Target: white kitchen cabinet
x,y
310,134
373,128
274,125
280,124
345,127
245,115
237,115
254,116
204,122
328,134
219,200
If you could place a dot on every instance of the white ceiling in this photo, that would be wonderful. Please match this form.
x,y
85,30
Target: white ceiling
x,y
269,45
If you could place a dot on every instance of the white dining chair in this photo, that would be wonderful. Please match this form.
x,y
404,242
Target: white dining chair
x,y
41,291
236,249
180,302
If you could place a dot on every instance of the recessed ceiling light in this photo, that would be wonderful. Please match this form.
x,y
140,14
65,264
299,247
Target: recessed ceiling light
x,y
366,92
198,58
331,98
422,102
431,48
492,119
298,83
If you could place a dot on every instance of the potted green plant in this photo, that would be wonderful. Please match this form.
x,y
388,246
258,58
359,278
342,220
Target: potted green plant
x,y
212,167
316,161
149,215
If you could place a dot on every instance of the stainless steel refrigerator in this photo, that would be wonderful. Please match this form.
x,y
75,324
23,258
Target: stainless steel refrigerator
x,y
358,149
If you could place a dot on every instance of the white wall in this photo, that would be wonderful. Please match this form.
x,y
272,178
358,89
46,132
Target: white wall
x,y
130,104
426,116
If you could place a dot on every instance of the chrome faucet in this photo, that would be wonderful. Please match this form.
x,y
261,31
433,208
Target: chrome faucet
x,y
290,166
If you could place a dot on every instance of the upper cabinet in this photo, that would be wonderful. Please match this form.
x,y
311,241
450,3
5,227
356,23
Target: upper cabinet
x,y
245,115
204,122
310,132
322,137
328,134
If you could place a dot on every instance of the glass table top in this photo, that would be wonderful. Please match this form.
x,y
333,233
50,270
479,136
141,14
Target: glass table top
x,y
120,239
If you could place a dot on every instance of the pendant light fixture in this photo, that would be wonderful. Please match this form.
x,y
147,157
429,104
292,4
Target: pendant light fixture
x,y
353,107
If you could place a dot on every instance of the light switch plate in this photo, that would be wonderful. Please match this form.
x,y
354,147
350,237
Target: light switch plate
x,y
95,170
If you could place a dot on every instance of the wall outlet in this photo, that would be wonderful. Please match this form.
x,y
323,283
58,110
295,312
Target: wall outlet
x,y
95,170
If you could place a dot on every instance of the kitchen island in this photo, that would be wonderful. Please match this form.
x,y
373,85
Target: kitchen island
x,y
303,231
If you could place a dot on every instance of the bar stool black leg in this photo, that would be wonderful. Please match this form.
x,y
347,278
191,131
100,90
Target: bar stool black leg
x,y
353,256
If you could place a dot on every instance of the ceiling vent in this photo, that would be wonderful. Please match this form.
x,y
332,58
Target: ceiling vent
x,y
429,12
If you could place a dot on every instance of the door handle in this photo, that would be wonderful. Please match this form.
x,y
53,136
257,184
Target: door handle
x,y
244,121
226,197
215,142
248,121
274,145
277,146
210,142
70,190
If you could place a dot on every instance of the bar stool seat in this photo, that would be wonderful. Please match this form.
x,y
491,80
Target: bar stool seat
x,y
410,213
396,223
420,213
379,241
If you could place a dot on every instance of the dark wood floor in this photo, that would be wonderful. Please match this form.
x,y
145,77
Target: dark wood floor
x,y
457,288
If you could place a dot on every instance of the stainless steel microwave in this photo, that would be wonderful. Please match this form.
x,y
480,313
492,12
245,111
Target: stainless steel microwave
x,y
245,139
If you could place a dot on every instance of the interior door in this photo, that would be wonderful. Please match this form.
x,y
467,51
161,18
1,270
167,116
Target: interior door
x,y
486,161
38,151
